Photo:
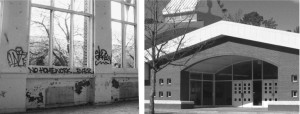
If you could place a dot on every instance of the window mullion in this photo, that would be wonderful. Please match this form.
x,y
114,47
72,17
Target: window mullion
x,y
61,9
51,35
123,36
71,36
135,36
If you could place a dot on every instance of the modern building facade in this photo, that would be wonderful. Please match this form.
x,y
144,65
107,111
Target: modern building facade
x,y
61,53
239,65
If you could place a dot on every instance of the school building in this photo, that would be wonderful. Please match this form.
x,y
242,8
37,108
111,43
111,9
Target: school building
x,y
57,53
238,65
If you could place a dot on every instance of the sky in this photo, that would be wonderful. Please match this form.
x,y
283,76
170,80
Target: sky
x,y
284,12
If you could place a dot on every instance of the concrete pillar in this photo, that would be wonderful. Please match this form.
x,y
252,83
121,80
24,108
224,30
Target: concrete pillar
x,y
102,89
102,38
13,53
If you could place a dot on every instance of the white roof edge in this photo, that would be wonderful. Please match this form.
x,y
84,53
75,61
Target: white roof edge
x,y
248,32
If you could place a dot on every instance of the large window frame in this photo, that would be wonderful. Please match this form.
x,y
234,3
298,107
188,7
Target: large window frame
x,y
123,23
90,36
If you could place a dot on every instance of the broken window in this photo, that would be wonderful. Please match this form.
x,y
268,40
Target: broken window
x,y
60,33
123,27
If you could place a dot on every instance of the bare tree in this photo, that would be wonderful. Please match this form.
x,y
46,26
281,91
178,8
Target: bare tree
x,y
39,53
165,39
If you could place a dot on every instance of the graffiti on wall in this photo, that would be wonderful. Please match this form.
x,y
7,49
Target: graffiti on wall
x,y
79,85
37,99
102,57
16,57
46,70
124,88
3,93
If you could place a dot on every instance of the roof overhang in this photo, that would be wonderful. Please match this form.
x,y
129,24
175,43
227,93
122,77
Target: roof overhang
x,y
221,39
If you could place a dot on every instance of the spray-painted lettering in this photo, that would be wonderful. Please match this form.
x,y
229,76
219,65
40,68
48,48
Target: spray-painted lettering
x,y
45,70
16,57
102,57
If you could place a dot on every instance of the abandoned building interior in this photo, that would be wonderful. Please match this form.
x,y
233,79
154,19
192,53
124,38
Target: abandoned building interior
x,y
58,53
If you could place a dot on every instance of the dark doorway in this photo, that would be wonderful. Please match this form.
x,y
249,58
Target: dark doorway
x,y
223,93
207,93
257,93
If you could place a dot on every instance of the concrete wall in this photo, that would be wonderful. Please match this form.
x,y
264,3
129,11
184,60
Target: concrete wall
x,y
288,64
14,36
23,86
40,92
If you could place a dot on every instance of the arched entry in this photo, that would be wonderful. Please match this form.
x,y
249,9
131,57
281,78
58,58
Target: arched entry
x,y
232,81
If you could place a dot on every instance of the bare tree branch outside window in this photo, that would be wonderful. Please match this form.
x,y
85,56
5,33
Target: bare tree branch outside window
x,y
61,36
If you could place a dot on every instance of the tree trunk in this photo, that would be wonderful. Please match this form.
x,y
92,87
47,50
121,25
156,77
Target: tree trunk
x,y
153,84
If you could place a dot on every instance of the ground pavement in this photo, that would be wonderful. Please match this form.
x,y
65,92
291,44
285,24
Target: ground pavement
x,y
128,107
220,110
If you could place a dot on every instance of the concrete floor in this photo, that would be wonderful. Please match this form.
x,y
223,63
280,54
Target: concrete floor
x,y
220,110
128,107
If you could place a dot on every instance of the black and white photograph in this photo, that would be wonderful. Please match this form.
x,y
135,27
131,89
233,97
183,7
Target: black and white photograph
x,y
149,56
221,56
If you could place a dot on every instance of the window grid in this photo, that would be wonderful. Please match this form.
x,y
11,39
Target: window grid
x,y
294,78
161,81
294,93
168,93
161,94
124,22
72,12
169,81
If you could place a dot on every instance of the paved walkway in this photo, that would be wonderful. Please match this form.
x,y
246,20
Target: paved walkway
x,y
128,107
220,110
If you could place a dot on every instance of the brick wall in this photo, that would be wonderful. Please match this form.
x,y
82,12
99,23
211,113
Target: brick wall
x,y
287,65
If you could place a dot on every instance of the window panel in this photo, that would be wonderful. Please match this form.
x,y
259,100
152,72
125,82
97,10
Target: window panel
x,y
81,5
42,2
61,39
130,1
196,76
257,69
80,41
61,34
224,74
116,10
65,4
129,13
39,37
123,34
130,47
269,71
116,44
242,71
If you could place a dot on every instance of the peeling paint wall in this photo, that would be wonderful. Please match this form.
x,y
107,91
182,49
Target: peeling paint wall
x,y
112,88
36,91
124,88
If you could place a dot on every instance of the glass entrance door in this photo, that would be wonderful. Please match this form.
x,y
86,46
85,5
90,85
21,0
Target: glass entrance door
x,y
269,91
242,93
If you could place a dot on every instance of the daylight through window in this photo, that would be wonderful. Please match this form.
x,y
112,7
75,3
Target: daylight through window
x,y
60,33
123,27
